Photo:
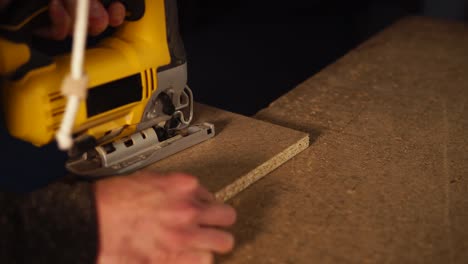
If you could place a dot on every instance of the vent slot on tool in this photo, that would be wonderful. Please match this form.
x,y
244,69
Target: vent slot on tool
x,y
57,103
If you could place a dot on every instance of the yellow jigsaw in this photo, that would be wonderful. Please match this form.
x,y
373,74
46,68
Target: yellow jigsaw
x,y
138,108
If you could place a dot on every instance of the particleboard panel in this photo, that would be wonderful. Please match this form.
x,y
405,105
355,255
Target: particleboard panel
x,y
243,151
385,177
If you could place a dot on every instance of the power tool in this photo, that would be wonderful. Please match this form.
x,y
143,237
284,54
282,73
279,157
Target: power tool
x,y
138,108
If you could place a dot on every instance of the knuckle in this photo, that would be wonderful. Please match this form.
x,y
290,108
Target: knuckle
x,y
160,256
188,213
177,239
181,213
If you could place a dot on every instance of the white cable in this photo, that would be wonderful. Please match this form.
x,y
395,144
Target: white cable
x,y
80,33
79,39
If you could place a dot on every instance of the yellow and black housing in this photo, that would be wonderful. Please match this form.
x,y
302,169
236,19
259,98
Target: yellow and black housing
x,y
122,71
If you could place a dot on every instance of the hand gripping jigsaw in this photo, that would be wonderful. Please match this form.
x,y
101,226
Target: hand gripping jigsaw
x,y
138,107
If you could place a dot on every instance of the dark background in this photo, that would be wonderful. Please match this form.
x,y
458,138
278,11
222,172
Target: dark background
x,y
244,54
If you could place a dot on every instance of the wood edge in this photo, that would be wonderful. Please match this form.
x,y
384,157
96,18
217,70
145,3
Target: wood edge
x,y
262,170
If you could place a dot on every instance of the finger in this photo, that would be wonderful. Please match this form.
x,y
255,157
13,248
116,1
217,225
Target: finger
x,y
61,22
176,184
182,212
98,18
217,215
116,14
170,182
212,240
204,195
195,257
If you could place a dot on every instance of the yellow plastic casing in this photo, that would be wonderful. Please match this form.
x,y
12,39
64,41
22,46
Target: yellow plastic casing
x,y
34,106
15,55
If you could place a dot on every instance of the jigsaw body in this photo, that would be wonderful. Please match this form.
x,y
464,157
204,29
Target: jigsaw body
x,y
138,109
